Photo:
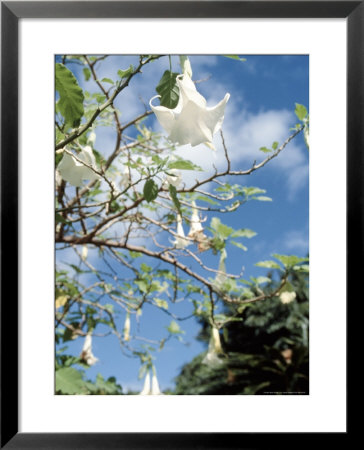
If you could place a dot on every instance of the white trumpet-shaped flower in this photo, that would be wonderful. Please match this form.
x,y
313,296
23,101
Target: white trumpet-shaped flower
x,y
127,327
155,386
86,355
146,387
191,121
125,178
74,171
287,297
221,277
196,230
84,253
180,242
212,359
196,226
173,177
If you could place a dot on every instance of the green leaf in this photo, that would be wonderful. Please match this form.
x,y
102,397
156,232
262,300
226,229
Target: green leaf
x,y
135,254
244,232
107,80
87,73
125,73
263,198
253,190
268,264
275,145
150,190
161,303
222,230
142,285
209,200
70,103
289,260
265,149
168,89
261,280
174,328
145,267
173,194
183,165
239,245
300,111
60,219
69,381
236,57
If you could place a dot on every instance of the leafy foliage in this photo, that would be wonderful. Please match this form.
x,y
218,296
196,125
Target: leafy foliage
x,y
70,103
70,381
265,353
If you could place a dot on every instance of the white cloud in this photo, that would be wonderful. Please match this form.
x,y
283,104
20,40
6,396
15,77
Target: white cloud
x,y
245,132
296,241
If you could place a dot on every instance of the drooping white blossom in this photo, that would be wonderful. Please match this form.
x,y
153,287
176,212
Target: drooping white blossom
x,y
74,171
185,64
196,230
151,390
155,386
146,387
287,297
191,121
127,327
86,355
84,252
212,356
180,241
173,177
196,226
125,178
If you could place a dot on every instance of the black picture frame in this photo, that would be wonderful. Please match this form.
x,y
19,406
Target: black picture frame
x,y
11,12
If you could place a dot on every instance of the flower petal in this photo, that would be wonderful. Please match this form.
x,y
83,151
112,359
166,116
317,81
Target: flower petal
x,y
146,387
164,115
189,126
180,242
74,171
188,91
214,117
67,170
155,386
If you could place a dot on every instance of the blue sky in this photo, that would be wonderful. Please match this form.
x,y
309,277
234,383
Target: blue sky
x,y
264,90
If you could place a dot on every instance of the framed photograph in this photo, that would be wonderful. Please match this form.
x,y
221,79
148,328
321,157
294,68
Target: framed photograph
x,y
157,264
